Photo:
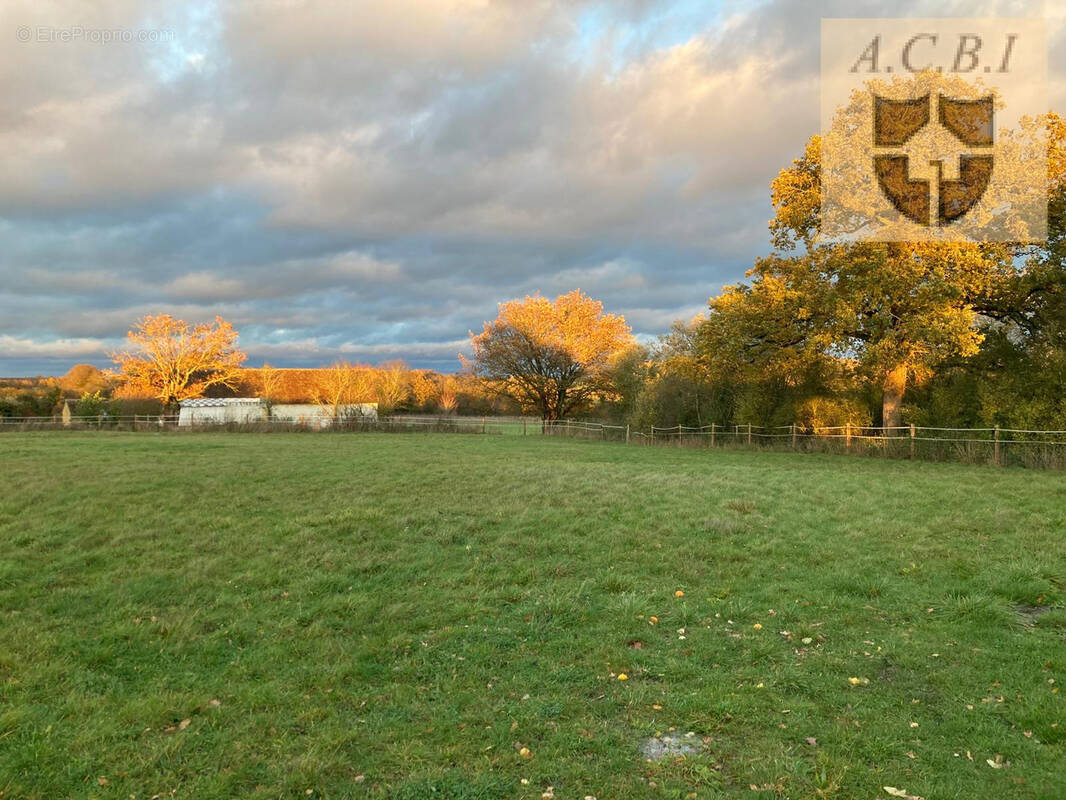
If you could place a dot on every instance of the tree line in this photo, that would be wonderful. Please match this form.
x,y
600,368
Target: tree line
x,y
167,360
819,334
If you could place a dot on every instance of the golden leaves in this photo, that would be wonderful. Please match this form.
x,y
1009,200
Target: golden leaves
x,y
550,356
172,361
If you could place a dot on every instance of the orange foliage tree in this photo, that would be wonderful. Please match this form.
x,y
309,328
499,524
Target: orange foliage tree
x,y
391,386
269,381
342,384
170,360
550,357
448,399
424,388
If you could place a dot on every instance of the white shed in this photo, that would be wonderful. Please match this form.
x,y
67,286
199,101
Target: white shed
x,y
221,411
317,416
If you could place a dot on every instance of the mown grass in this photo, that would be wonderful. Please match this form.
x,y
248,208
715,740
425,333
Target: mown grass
x,y
285,615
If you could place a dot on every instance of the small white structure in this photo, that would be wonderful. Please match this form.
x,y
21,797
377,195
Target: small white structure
x,y
221,411
317,416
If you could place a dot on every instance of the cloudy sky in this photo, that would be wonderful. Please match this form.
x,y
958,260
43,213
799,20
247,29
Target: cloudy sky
x,y
367,179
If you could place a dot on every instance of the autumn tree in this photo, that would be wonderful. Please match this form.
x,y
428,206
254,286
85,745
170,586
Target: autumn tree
x,y
341,384
425,389
82,379
892,310
170,360
448,396
391,387
269,381
550,357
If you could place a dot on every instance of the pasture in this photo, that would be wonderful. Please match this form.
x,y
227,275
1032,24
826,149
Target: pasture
x,y
450,616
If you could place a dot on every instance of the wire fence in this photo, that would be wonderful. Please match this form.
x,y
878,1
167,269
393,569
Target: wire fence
x,y
998,446
171,422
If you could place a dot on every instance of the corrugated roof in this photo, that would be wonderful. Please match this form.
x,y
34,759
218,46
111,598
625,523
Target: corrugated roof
x,y
219,402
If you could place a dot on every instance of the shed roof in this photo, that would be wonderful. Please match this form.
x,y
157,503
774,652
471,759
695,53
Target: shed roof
x,y
218,402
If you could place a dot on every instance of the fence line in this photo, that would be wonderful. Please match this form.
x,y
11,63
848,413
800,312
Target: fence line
x,y
169,422
1002,446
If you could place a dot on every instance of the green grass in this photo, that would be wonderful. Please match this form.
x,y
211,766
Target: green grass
x,y
268,616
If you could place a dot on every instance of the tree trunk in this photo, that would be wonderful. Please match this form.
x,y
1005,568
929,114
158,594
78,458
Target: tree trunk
x,y
895,385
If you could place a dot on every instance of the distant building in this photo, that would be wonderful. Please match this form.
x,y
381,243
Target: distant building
x,y
221,411
320,416
247,410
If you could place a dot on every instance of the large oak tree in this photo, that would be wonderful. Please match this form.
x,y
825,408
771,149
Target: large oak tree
x,y
891,310
550,357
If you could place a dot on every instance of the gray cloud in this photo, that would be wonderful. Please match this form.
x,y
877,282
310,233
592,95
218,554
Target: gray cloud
x,y
369,179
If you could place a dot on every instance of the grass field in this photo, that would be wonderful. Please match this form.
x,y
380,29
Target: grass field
x,y
295,615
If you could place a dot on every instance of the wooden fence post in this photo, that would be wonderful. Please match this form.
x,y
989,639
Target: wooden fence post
x,y
996,447
523,426
749,434
712,434
847,435
792,428
912,440
627,433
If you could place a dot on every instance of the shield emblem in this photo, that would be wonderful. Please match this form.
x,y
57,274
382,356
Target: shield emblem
x,y
970,122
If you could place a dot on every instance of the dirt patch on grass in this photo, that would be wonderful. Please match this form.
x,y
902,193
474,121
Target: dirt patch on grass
x,y
1029,614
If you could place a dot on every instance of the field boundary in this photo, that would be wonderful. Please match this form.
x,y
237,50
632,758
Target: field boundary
x,y
994,446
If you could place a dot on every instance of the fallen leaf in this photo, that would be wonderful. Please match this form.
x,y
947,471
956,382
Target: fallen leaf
x,y
812,741
185,723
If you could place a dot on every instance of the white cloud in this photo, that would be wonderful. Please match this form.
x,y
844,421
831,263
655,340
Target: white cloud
x,y
380,174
